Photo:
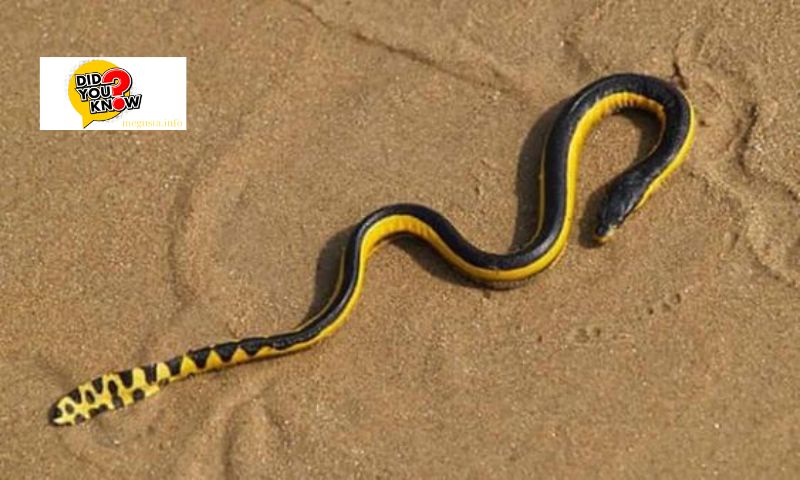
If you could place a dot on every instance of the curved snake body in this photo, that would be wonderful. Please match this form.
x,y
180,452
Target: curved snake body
x,y
557,177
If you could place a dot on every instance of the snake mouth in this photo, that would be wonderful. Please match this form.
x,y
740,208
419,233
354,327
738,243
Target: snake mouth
x,y
603,233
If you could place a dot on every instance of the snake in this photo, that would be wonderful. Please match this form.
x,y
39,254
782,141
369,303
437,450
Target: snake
x,y
557,178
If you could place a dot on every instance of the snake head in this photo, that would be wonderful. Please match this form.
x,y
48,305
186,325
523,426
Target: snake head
x,y
621,199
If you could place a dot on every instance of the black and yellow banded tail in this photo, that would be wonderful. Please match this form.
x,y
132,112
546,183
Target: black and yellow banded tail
x,y
557,178
116,390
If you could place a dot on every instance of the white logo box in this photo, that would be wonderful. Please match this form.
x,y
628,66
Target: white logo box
x,y
161,82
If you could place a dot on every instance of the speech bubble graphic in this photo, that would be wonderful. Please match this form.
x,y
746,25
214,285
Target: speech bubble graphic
x,y
89,75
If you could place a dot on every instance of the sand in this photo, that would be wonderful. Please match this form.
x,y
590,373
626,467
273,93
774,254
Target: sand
x,y
672,351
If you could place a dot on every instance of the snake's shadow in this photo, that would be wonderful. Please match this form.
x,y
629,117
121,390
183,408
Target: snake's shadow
x,y
527,191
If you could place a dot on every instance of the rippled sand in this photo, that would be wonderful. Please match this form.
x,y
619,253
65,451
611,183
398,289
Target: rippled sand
x,y
672,351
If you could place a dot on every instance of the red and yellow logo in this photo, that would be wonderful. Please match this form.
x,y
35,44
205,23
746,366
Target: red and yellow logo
x,y
100,90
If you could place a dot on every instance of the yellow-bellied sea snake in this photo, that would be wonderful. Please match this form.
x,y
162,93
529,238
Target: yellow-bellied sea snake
x,y
557,184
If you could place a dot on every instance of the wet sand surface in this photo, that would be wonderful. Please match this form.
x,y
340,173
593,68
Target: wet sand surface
x,y
672,351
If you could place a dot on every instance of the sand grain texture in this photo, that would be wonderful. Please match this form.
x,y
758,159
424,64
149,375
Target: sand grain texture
x,y
673,351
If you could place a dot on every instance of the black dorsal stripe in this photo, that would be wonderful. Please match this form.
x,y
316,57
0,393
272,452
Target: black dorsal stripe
x,y
200,356
251,346
226,350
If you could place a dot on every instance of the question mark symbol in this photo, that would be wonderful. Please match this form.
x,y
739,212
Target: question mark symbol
x,y
123,84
